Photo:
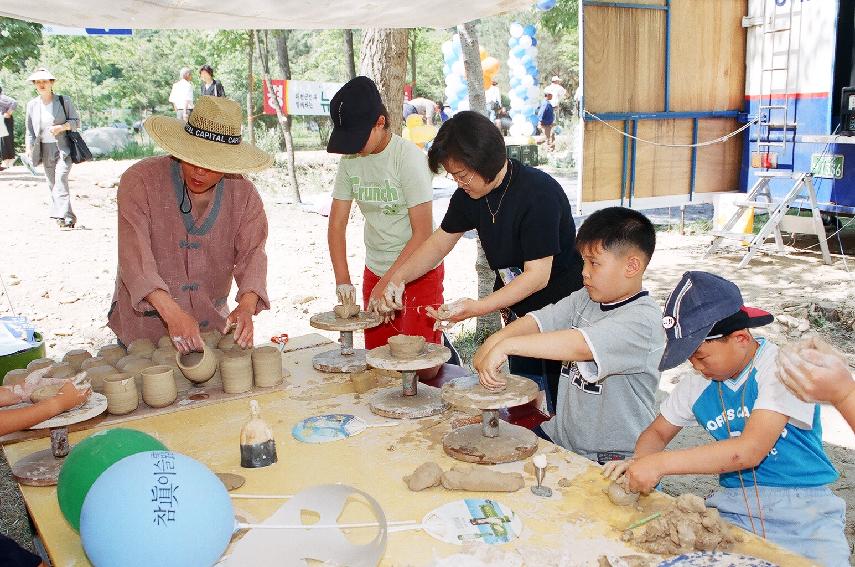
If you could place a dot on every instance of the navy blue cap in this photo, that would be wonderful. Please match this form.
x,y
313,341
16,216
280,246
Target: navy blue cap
x,y
704,306
354,111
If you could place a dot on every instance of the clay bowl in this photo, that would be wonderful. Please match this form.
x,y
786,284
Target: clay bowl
x,y
121,392
267,366
211,338
406,346
76,357
112,353
96,376
60,370
15,377
141,347
197,367
93,362
40,363
158,386
165,341
45,393
346,311
236,372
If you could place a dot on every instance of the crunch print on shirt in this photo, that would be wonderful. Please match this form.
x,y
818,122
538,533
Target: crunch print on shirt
x,y
384,195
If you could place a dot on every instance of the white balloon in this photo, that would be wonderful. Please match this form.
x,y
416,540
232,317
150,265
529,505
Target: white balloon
x,y
516,30
528,81
447,49
533,93
458,68
533,52
464,104
450,92
525,41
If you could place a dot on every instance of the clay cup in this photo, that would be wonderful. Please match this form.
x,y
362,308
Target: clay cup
x,y
76,358
406,346
236,372
197,367
121,391
267,366
158,386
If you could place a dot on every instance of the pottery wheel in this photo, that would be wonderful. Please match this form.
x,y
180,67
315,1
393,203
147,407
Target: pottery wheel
x,y
38,469
345,358
467,392
391,402
94,406
329,322
468,443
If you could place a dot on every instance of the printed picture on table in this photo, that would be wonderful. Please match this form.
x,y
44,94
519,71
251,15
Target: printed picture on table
x,y
326,428
473,519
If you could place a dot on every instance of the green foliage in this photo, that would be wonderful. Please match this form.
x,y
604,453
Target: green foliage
x,y
133,150
430,82
563,19
19,42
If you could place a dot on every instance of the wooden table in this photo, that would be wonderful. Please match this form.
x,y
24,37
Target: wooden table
x,y
577,524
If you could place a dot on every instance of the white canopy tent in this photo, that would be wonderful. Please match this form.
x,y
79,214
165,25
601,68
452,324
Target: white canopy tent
x,y
256,14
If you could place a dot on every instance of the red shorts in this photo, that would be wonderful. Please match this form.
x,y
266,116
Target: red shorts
x,y
427,290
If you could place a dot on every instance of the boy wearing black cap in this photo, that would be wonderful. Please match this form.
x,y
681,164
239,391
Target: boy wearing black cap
x,y
768,449
389,179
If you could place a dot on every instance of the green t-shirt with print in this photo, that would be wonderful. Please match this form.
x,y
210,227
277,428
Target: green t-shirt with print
x,y
385,186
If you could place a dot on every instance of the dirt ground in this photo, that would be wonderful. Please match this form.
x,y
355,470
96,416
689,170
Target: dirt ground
x,y
63,281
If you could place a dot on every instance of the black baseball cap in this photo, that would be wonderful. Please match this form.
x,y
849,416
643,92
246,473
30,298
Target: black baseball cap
x,y
704,306
354,111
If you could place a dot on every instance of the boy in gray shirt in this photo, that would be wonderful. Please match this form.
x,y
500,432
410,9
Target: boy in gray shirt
x,y
610,335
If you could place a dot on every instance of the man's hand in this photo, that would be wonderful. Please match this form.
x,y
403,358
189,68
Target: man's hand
x,y
184,330
58,128
346,294
393,296
70,397
241,320
815,372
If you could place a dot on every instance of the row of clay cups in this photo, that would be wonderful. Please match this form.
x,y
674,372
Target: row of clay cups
x,y
123,391
238,368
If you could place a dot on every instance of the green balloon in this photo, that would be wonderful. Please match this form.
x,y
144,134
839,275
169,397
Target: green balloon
x,y
91,457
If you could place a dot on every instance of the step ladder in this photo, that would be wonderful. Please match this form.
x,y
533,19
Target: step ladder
x,y
760,198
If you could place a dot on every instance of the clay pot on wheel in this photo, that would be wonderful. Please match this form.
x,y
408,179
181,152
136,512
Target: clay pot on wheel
x,y
121,392
158,388
267,366
76,358
197,367
406,346
236,372
346,311
112,353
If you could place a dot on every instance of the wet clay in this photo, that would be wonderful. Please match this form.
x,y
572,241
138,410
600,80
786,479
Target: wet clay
x,y
45,393
619,495
40,363
15,377
687,525
346,311
480,479
198,366
60,370
363,382
427,475
406,346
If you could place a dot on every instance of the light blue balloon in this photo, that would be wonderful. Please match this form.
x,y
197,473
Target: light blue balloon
x,y
530,30
446,70
512,42
519,52
514,82
545,5
156,508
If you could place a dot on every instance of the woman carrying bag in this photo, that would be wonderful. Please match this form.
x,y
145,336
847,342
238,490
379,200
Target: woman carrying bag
x,y
49,119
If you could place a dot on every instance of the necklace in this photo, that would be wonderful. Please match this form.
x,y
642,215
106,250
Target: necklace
x,y
504,192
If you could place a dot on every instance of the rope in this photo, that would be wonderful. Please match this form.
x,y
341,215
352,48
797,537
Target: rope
x,y
8,297
718,140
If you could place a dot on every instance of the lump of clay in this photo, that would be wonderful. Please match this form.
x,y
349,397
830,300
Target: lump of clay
x,y
426,476
406,346
686,525
45,393
346,311
480,479
619,495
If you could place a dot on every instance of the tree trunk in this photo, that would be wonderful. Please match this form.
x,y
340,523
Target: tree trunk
x,y
348,54
285,67
265,67
472,63
384,60
250,122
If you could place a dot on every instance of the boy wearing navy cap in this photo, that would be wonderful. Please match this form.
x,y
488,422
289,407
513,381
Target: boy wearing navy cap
x,y
768,443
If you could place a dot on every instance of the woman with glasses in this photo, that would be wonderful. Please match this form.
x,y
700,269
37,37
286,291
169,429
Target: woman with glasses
x,y
524,221
389,179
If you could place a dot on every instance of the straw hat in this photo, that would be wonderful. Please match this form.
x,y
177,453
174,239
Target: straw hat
x,y
41,74
210,139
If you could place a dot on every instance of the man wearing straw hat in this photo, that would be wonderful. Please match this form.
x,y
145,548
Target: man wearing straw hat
x,y
189,222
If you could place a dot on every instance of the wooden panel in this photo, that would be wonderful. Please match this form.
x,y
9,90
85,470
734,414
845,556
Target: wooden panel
x,y
602,162
718,165
707,54
661,171
624,59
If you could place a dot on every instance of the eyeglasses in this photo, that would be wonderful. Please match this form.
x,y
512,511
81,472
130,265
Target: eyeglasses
x,y
459,180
